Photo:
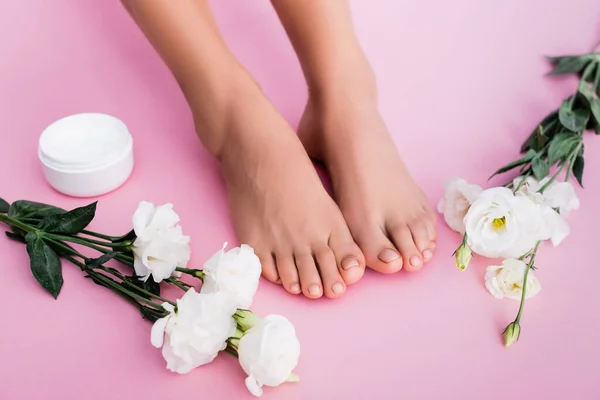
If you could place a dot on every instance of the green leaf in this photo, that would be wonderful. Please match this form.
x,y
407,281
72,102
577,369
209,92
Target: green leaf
x,y
30,209
15,237
61,251
578,169
542,133
45,265
574,120
540,168
569,64
595,109
561,146
92,263
525,159
4,206
71,222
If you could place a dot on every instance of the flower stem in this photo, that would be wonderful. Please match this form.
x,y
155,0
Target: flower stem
x,y
133,286
197,273
128,292
552,179
16,223
66,248
93,244
523,294
99,235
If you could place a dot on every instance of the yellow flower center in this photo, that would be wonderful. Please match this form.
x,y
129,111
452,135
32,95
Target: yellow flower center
x,y
499,224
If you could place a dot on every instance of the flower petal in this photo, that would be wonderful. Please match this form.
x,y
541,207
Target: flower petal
x,y
253,386
157,334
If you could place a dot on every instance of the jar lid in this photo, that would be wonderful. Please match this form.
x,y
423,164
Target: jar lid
x,y
84,141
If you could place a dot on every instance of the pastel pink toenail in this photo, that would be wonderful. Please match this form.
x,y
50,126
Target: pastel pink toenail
x,y
388,255
415,261
427,254
337,288
314,290
350,262
295,287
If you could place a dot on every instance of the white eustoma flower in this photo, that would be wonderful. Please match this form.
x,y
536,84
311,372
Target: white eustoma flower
x,y
500,224
556,201
236,272
558,195
554,226
458,197
268,353
506,280
561,196
195,331
160,246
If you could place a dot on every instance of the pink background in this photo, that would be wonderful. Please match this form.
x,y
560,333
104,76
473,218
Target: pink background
x,y
463,80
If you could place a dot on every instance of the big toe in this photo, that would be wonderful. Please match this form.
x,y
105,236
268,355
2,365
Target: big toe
x,y
349,260
403,238
381,255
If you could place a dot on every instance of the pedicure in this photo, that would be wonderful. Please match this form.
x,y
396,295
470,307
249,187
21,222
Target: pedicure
x,y
295,288
350,262
337,288
314,290
415,261
388,255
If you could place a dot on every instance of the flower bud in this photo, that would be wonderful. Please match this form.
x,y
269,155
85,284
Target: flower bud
x,y
245,319
463,256
512,333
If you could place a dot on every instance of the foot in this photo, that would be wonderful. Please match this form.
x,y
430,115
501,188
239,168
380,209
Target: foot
x,y
279,205
388,215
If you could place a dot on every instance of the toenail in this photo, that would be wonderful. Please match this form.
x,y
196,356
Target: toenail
x,y
415,261
314,290
337,288
427,254
388,255
350,262
295,288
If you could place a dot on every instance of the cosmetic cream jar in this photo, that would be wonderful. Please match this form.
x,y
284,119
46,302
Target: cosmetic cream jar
x,y
85,155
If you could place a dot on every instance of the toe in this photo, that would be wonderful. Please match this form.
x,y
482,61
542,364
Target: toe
x,y
310,282
380,254
269,270
421,239
348,257
288,273
431,225
402,237
333,283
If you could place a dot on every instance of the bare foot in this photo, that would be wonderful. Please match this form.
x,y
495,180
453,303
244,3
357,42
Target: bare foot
x,y
279,205
388,215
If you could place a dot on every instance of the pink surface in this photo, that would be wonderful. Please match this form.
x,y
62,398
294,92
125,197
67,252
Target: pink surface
x,y
462,80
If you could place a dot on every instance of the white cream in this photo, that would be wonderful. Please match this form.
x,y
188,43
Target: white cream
x,y
86,155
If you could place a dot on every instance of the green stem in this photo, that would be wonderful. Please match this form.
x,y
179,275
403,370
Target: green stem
x,y
523,294
197,273
76,240
99,235
66,248
120,288
133,286
562,166
16,223
87,242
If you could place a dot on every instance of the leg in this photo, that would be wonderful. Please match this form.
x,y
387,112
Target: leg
x,y
387,213
276,199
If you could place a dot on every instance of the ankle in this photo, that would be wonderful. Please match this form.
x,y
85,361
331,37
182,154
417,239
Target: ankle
x,y
214,117
352,81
